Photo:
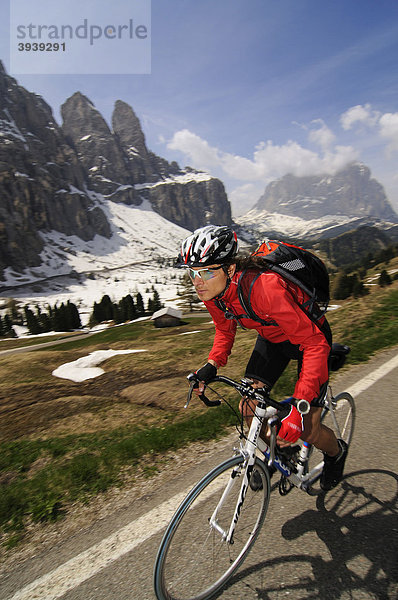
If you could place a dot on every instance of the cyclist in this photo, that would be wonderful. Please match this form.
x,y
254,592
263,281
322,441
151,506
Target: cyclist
x,y
210,255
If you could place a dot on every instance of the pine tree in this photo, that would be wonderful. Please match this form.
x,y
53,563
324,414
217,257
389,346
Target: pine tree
x,y
45,322
107,307
358,289
60,318
342,286
32,322
74,317
97,314
9,331
139,302
15,314
127,309
116,314
154,303
384,278
131,308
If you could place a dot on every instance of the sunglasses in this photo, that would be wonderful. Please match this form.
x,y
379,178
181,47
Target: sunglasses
x,y
204,274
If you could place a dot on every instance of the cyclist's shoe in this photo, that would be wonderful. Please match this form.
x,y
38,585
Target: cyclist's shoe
x,y
333,468
256,483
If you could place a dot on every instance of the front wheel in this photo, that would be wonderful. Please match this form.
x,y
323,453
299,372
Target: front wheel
x,y
194,560
340,418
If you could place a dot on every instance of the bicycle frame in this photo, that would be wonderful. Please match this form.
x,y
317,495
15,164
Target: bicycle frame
x,y
249,452
249,449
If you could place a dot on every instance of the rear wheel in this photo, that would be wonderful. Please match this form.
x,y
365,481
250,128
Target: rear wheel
x,y
194,561
341,420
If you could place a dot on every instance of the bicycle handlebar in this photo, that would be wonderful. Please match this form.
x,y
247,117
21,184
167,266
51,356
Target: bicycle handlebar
x,y
244,388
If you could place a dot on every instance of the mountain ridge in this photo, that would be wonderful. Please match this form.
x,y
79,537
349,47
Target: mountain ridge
x,y
320,206
351,192
56,178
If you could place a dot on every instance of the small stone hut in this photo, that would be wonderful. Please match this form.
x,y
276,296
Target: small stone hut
x,y
167,317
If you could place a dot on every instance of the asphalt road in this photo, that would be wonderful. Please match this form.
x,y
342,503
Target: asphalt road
x,y
339,546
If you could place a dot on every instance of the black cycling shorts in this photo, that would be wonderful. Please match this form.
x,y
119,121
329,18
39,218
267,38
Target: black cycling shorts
x,y
269,360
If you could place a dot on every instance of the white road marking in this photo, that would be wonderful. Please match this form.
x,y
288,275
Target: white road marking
x,y
374,376
88,563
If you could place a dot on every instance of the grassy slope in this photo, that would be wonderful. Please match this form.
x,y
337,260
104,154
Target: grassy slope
x,y
62,442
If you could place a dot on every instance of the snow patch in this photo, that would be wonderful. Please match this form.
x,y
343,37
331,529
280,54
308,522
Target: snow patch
x,y
86,367
262,222
130,261
184,178
191,332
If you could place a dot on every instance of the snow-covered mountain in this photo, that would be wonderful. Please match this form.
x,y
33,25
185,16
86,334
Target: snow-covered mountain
x,y
70,186
317,207
130,260
257,224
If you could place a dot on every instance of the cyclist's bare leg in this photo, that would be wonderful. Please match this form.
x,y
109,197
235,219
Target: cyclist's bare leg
x,y
318,434
247,408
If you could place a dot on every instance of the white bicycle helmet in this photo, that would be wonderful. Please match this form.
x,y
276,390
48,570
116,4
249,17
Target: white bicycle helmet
x,y
208,245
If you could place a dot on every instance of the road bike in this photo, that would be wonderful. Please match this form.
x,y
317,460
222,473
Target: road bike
x,y
218,522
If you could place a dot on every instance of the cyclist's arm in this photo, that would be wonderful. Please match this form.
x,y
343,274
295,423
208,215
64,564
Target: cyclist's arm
x,y
224,336
270,296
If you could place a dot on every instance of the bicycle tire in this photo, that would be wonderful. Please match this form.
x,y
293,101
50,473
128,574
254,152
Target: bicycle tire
x,y
344,414
193,561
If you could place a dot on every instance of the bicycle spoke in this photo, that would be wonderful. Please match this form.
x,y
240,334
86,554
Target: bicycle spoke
x,y
195,560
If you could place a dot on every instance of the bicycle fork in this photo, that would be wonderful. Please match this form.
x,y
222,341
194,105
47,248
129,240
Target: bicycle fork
x,y
249,454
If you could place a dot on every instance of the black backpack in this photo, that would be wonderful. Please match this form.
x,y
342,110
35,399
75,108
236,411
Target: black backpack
x,y
294,264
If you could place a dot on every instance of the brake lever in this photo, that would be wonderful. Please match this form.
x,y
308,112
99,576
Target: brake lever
x,y
189,396
192,378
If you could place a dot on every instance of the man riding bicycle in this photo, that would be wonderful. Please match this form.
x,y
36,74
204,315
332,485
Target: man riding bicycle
x,y
286,332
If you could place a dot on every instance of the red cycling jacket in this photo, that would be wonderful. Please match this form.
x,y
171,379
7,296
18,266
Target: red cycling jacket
x,y
274,299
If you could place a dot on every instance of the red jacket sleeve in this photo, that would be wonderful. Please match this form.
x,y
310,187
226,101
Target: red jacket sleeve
x,y
224,336
271,296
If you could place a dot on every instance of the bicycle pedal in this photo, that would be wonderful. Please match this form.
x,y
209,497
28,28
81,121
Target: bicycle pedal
x,y
285,486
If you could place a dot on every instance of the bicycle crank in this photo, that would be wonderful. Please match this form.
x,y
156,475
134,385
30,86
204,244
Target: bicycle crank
x,y
285,486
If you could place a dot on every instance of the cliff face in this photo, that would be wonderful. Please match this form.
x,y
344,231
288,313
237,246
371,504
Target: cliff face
x,y
42,183
120,167
55,178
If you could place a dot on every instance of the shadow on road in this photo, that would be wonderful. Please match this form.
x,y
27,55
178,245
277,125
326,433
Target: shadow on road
x,y
358,524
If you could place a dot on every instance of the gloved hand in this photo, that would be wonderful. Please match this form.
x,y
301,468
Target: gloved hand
x,y
206,373
291,424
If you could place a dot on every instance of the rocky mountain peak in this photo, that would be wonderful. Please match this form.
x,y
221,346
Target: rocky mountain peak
x,y
41,180
352,192
127,128
80,118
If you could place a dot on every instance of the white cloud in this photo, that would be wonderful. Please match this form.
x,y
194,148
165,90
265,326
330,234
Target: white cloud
x,y
199,152
386,125
243,197
246,177
270,161
389,130
322,136
359,114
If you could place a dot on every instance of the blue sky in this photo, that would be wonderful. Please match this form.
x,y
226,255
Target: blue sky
x,y
253,89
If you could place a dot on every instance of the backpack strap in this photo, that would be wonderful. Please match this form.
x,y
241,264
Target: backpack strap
x,y
228,314
246,281
310,306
